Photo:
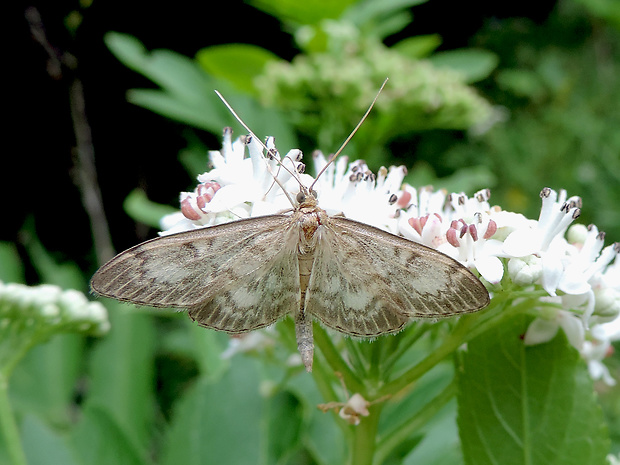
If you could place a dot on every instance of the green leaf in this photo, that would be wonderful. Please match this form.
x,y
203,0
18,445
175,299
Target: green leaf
x,y
208,346
440,445
199,112
378,11
473,64
418,46
65,274
121,372
218,422
99,439
522,83
283,426
138,206
11,267
238,64
186,93
174,72
322,435
527,405
303,12
44,381
43,445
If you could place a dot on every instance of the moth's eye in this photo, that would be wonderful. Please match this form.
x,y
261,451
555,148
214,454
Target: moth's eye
x,y
301,198
314,194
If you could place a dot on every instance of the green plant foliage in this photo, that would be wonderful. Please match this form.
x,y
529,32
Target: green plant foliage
x,y
561,127
473,64
142,210
187,91
417,97
418,46
303,12
237,64
527,405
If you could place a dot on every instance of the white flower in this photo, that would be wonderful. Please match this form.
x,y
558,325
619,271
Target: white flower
x,y
239,186
544,328
580,276
51,309
594,352
458,226
355,191
525,270
613,459
476,248
249,342
351,410
545,238
355,407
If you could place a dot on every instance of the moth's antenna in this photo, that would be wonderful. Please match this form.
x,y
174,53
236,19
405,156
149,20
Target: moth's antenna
x,y
275,178
344,144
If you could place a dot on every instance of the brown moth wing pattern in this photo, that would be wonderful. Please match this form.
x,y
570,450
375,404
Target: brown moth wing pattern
x,y
366,282
221,274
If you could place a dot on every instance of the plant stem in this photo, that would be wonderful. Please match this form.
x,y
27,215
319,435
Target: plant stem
x,y
9,426
335,360
468,327
395,436
455,339
364,438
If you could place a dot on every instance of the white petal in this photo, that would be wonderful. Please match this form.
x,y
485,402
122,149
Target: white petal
x,y
522,242
573,328
230,196
599,371
574,281
552,270
540,331
490,268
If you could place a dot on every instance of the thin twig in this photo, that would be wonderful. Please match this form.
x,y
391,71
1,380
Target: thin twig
x,y
86,174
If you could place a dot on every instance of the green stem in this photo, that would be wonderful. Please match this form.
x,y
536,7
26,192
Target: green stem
x,y
455,339
393,438
324,384
376,358
335,360
9,426
467,328
406,340
364,438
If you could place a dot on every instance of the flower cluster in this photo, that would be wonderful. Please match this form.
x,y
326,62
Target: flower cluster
x,y
50,306
31,314
574,279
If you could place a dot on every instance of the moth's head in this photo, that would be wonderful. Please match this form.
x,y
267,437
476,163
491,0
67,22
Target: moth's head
x,y
306,197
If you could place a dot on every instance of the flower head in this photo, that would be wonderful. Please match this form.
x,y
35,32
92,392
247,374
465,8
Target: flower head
x,y
574,280
32,314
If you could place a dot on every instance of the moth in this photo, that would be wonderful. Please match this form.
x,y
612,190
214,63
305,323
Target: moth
x,y
250,273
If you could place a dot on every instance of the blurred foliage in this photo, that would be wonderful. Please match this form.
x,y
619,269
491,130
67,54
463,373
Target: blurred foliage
x,y
323,92
560,85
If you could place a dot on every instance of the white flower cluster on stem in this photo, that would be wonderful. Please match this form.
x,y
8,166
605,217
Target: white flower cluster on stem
x,y
573,278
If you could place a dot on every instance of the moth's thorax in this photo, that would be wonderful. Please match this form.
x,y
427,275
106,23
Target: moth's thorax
x,y
308,220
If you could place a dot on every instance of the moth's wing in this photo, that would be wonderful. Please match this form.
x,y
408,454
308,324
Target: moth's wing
x,y
234,277
367,282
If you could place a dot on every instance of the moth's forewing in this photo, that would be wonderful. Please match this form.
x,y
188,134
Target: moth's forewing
x,y
186,269
366,282
260,297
